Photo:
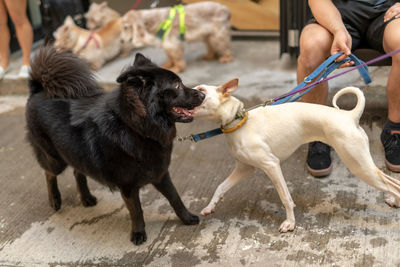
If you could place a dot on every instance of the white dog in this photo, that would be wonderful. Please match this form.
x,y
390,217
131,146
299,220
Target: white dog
x,y
272,133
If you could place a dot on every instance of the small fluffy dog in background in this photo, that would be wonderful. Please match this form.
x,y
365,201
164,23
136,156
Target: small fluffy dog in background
x,y
99,15
97,47
122,139
272,133
205,21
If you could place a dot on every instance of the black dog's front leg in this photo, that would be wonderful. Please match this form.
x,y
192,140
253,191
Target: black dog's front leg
x,y
87,198
132,201
54,193
168,190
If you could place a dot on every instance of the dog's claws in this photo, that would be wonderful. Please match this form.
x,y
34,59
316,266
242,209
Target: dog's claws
x,y
191,220
89,201
394,203
138,237
287,226
55,202
207,211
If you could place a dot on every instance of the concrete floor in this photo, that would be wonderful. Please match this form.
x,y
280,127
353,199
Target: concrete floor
x,y
341,221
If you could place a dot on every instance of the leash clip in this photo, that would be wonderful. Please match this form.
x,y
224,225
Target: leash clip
x,y
240,114
307,80
268,102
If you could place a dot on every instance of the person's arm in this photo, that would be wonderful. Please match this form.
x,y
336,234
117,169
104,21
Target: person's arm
x,y
328,16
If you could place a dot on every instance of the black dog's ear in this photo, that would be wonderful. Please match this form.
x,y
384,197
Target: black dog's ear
x,y
130,100
141,60
132,78
124,76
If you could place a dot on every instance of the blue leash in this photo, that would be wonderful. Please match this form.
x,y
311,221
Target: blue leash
x,y
326,68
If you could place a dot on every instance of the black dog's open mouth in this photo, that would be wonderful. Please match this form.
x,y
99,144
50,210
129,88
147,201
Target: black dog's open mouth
x,y
184,114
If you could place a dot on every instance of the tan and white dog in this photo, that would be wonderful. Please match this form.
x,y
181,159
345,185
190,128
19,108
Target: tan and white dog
x,y
97,47
272,133
99,15
204,21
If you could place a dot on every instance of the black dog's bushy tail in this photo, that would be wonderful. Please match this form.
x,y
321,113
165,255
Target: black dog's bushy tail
x,y
61,75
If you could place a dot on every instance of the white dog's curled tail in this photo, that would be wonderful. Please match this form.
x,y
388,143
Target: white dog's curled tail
x,y
359,108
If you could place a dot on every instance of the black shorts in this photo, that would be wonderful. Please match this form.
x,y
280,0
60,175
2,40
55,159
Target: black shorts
x,y
363,22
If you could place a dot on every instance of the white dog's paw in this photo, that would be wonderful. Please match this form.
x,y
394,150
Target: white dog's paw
x,y
287,225
207,211
393,202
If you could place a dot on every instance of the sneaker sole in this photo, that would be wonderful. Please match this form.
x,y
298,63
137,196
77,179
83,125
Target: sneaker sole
x,y
321,173
392,167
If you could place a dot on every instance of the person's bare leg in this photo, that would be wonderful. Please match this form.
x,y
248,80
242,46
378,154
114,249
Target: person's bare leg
x,y
315,45
17,11
4,37
391,41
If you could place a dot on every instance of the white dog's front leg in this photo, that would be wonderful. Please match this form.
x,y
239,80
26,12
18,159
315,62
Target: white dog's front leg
x,y
240,171
273,169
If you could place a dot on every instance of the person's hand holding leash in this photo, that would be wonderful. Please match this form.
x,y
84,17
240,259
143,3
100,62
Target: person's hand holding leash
x,y
342,44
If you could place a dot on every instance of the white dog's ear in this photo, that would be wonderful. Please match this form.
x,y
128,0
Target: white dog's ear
x,y
103,5
228,87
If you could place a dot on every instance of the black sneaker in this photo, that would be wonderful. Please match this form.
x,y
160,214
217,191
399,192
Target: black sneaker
x,y
319,162
390,139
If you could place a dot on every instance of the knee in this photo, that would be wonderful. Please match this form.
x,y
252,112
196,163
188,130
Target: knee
x,y
391,45
315,44
312,53
396,61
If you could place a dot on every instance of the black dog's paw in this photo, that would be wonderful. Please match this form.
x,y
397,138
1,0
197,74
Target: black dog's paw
x,y
55,202
89,200
191,219
138,237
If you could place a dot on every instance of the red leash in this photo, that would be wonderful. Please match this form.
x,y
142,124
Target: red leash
x,y
135,5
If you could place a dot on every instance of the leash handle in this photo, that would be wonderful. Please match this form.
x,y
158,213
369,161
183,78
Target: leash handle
x,y
286,97
327,67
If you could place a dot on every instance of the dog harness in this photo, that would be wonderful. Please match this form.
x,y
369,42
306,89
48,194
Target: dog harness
x,y
326,68
165,27
91,37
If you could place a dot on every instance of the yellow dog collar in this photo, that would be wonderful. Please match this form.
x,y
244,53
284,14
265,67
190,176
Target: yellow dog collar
x,y
237,126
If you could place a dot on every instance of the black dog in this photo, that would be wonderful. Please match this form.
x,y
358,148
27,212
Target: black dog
x,y
122,139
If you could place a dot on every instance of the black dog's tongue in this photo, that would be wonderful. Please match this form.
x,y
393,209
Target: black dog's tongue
x,y
184,111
